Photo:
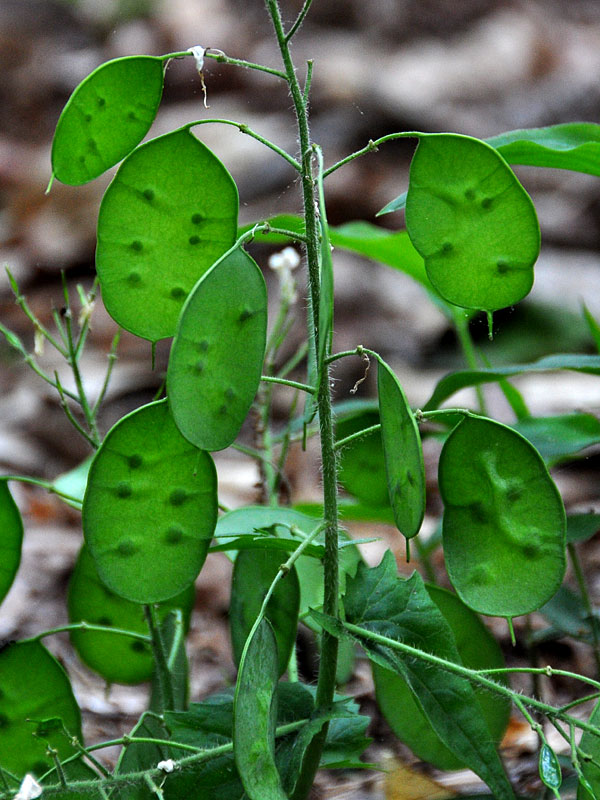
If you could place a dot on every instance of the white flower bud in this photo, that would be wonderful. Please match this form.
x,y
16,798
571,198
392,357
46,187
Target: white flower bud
x,y
285,261
38,342
166,766
29,789
198,53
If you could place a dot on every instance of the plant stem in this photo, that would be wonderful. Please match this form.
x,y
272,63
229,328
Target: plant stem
x,y
222,58
587,603
329,644
160,659
87,626
294,384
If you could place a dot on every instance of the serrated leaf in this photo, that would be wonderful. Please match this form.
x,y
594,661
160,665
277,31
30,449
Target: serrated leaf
x,y
379,601
218,352
255,714
34,687
472,221
403,453
253,574
168,215
107,115
571,145
150,501
460,379
11,539
478,650
504,520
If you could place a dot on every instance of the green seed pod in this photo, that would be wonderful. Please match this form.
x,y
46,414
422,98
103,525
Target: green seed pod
x,y
217,354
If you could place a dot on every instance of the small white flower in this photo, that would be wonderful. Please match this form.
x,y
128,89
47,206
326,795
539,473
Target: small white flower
x,y
166,766
38,342
285,261
198,52
86,312
29,789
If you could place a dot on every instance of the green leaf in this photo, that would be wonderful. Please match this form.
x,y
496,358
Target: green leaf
x,y
403,453
107,115
593,326
255,714
455,381
117,658
567,614
253,574
246,520
477,649
145,755
73,482
397,204
504,520
571,145
362,462
218,352
560,437
34,688
379,601
11,527
472,221
150,507
168,215
590,744
581,527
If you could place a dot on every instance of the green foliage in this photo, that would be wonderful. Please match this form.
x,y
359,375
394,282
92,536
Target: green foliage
x,y
504,511
171,263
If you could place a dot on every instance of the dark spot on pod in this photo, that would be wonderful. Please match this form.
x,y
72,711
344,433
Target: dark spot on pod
x,y
203,346
1,694
131,115
174,535
486,202
39,767
447,247
197,218
138,647
178,497
470,194
502,267
3,721
410,477
479,512
177,293
223,409
88,117
514,494
148,194
123,489
101,102
245,314
194,240
135,461
229,393
137,246
530,550
199,367
92,145
82,159
134,278
127,548
106,621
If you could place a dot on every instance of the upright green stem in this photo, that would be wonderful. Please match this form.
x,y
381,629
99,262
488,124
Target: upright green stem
x,y
585,596
160,659
329,645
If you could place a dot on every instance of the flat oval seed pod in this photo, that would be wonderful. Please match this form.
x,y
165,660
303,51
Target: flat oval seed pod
x,y
472,221
11,539
168,215
107,115
117,658
403,453
33,686
217,354
150,507
478,649
504,521
253,574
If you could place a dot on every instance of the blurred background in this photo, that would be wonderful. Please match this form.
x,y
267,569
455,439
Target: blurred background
x,y
478,67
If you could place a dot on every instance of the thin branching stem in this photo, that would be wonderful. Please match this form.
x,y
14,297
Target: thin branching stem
x,y
222,58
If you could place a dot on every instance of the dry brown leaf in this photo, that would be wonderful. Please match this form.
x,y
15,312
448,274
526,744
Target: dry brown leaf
x,y
403,783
